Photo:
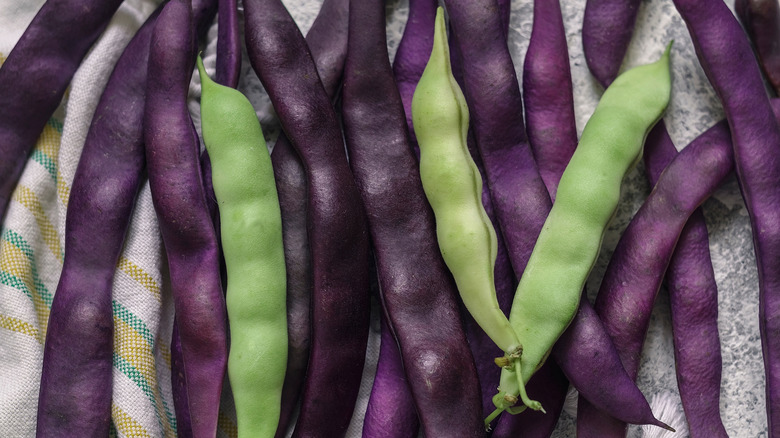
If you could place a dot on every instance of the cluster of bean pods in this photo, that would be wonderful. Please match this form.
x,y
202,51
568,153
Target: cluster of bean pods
x,y
464,198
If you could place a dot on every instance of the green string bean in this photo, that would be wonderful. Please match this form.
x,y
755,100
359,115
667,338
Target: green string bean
x,y
453,186
251,230
549,291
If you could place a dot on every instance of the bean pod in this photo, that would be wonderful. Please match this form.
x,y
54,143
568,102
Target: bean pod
x,y
337,227
37,72
251,230
548,295
172,157
453,187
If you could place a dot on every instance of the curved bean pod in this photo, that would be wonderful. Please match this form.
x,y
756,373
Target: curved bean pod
x,y
588,194
412,275
637,267
36,73
251,230
693,296
731,67
340,298
102,197
482,347
453,187
607,27
327,41
172,156
624,400
761,19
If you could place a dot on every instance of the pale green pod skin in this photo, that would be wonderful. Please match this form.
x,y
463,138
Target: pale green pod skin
x,y
453,186
549,291
251,229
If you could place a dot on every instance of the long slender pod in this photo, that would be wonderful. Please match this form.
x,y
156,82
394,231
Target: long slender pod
x,y
482,347
327,41
607,27
726,57
601,37
549,292
228,44
548,94
390,412
412,55
75,392
172,156
337,227
636,269
36,73
251,231
693,296
411,272
761,20
495,106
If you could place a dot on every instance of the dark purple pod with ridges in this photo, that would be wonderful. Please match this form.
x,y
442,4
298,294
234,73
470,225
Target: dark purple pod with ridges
x,y
693,301
75,391
638,264
173,161
337,229
415,284
36,73
548,95
728,61
327,40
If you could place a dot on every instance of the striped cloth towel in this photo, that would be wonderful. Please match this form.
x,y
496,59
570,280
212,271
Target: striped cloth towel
x,y
32,248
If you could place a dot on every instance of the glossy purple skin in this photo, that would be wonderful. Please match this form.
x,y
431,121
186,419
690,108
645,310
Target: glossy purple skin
x,y
607,27
390,412
693,298
761,20
611,389
412,55
415,284
75,396
637,267
728,61
327,40
172,153
228,44
495,105
179,386
337,227
36,73
548,95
